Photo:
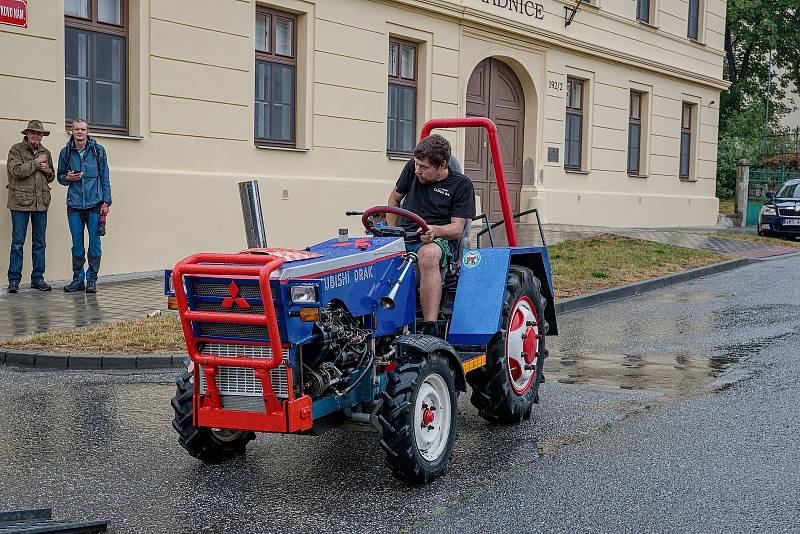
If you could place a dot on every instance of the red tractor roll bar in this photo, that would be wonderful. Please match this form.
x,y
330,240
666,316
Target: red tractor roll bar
x,y
500,175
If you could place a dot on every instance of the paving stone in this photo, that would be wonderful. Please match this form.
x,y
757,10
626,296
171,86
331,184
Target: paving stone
x,y
85,361
52,360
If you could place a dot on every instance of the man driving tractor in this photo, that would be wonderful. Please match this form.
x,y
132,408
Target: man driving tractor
x,y
445,199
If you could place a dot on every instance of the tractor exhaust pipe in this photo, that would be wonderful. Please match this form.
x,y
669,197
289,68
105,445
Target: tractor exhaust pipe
x,y
251,212
387,302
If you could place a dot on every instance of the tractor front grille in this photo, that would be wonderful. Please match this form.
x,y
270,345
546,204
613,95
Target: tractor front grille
x,y
208,294
234,331
237,382
221,288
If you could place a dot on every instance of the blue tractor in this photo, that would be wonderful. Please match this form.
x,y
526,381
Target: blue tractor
x,y
297,341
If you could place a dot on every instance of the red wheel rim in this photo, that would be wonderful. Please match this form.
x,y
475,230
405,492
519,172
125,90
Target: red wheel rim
x,y
522,345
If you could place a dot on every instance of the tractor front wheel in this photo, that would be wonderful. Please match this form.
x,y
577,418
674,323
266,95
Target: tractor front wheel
x,y
419,418
209,445
505,390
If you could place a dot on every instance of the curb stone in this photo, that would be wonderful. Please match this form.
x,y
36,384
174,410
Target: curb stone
x,y
21,358
52,360
85,361
153,361
617,293
118,361
166,361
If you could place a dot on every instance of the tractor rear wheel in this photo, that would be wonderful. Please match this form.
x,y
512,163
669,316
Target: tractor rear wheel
x,y
419,418
505,390
212,446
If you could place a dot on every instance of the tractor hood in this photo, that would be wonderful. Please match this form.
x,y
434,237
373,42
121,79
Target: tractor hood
x,y
332,255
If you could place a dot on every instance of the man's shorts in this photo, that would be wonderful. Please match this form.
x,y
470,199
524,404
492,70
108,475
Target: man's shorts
x,y
447,253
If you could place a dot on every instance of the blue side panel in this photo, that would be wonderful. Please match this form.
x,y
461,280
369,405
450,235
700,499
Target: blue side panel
x,y
545,262
479,296
361,289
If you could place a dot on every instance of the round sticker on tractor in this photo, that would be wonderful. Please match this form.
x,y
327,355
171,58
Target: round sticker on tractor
x,y
472,259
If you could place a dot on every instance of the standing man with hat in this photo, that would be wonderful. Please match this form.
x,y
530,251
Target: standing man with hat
x,y
83,168
30,171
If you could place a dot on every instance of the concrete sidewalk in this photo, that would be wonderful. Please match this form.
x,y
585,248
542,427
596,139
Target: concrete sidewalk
x,y
131,297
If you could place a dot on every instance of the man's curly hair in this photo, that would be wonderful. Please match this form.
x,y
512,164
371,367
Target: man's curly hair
x,y
435,149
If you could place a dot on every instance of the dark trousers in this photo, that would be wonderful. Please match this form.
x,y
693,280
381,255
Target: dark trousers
x,y
19,229
80,220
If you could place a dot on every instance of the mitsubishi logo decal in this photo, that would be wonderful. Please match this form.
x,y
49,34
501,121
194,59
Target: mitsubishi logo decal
x,y
228,302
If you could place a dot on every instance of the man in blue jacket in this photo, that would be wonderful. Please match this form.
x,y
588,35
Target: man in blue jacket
x,y
83,167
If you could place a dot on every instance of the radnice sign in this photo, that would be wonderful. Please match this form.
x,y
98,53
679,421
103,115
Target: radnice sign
x,y
529,8
14,12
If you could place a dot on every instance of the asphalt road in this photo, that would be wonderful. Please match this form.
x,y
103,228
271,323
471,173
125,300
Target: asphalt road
x,y
673,411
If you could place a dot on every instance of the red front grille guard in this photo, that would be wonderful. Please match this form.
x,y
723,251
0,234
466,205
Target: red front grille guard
x,y
210,413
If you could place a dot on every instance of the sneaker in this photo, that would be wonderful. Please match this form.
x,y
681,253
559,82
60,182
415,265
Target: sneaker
x,y
41,285
13,287
91,287
73,286
429,328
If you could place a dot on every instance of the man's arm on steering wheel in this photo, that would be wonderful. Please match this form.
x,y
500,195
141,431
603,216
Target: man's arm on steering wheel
x,y
394,200
451,231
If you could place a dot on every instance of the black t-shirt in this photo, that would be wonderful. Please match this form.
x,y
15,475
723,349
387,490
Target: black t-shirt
x,y
436,203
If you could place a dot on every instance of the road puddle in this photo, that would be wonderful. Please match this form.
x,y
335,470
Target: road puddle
x,y
684,297
673,375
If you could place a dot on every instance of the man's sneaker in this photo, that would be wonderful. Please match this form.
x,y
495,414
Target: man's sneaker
x,y
13,287
429,328
74,286
91,287
41,285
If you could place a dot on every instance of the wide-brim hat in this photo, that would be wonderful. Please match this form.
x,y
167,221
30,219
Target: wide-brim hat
x,y
36,126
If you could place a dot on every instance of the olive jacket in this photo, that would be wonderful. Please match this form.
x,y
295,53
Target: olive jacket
x,y
28,186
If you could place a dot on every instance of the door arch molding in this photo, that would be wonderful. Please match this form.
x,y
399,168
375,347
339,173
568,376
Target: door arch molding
x,y
494,90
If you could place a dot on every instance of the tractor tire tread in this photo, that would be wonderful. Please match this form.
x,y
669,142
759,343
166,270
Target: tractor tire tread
x,y
492,393
396,420
201,442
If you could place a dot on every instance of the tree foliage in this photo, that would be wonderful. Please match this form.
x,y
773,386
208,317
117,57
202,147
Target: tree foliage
x,y
753,29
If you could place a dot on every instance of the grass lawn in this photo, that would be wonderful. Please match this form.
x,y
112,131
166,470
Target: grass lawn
x,y
578,267
151,335
727,206
589,265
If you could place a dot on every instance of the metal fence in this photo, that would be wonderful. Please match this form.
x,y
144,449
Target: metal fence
x,y
768,180
781,143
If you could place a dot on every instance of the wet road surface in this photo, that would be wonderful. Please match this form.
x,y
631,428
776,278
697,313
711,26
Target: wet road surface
x,y
675,410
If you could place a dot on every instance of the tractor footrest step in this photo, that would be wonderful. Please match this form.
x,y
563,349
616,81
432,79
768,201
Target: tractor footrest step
x,y
41,521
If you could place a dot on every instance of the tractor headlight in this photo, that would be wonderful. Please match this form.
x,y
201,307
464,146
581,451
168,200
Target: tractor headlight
x,y
306,293
766,210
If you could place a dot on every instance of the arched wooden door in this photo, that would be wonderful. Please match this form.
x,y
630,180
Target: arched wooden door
x,y
494,91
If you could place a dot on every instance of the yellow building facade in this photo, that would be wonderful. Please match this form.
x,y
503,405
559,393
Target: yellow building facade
x,y
611,120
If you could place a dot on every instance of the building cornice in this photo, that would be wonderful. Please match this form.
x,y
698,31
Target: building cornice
x,y
478,20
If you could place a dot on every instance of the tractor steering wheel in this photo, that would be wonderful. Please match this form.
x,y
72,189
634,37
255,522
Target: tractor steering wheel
x,y
400,212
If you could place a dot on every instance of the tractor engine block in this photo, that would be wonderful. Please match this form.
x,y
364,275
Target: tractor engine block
x,y
341,347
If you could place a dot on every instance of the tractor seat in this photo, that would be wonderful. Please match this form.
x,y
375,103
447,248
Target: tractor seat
x,y
450,273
